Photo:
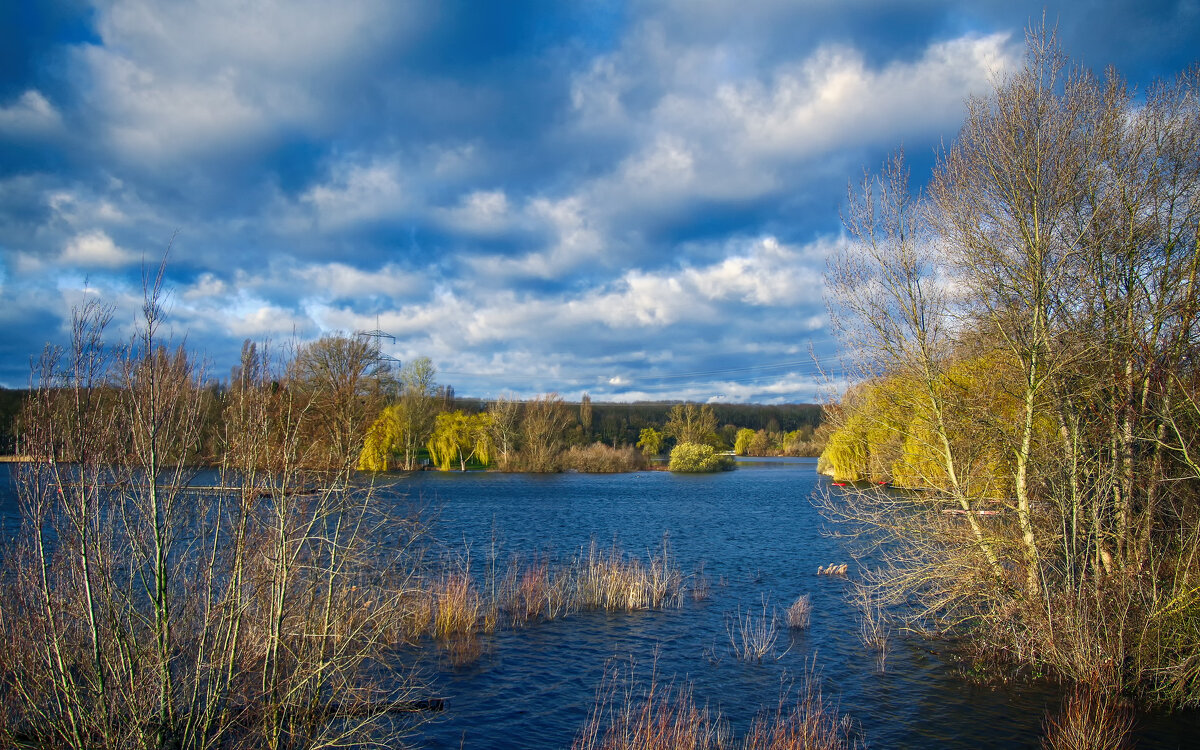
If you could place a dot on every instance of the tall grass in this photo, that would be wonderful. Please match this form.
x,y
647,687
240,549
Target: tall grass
x,y
1088,721
629,716
752,637
538,589
633,715
808,723
800,613
599,458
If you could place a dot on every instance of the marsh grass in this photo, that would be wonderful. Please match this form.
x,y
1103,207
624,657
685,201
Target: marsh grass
x,y
809,722
655,716
1088,721
800,613
457,609
752,637
701,588
599,458
630,714
537,588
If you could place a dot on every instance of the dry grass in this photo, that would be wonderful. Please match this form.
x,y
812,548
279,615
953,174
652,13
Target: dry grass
x,y
752,637
599,458
654,717
611,581
810,723
541,590
701,587
631,716
538,591
1088,721
800,613
458,610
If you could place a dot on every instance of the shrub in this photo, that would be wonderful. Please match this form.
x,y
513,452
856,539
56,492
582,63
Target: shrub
x,y
800,613
694,458
599,458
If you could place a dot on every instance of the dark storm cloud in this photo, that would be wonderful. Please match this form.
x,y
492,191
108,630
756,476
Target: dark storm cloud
x,y
538,195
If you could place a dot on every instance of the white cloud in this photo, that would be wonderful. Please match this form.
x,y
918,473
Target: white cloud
x,y
30,115
95,249
714,123
324,280
358,192
180,79
481,213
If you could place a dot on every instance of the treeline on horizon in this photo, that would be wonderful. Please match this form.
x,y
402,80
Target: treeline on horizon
x,y
780,429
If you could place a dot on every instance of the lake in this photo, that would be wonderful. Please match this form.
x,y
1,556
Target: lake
x,y
755,534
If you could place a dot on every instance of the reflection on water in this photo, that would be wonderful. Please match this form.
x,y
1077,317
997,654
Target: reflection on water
x,y
756,534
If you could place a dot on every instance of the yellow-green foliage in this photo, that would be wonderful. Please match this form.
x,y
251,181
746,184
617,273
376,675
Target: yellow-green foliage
x,y
460,437
650,441
696,458
741,442
889,429
381,442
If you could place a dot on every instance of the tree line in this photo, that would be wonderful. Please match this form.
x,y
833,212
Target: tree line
x,y
1024,338
420,427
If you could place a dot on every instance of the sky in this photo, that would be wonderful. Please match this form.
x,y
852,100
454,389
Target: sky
x,y
630,199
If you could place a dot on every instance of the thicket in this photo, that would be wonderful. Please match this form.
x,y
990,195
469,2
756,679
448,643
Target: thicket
x,y
139,611
1025,336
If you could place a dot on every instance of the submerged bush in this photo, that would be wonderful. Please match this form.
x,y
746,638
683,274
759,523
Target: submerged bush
x,y
694,458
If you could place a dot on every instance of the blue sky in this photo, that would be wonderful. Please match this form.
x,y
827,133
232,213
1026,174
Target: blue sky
x,y
633,199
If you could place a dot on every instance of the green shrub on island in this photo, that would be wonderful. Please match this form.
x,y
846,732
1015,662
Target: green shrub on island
x,y
694,458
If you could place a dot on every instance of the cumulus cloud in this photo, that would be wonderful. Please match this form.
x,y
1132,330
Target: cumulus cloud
x,y
95,249
592,208
357,193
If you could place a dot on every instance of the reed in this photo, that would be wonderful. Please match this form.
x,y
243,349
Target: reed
x,y
613,582
1088,721
599,458
457,607
629,714
752,637
538,591
800,613
808,723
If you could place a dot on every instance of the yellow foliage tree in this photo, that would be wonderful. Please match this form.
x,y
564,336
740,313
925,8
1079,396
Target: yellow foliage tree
x,y
382,441
461,437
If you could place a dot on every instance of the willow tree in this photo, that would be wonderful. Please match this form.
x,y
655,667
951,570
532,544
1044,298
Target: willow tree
x,y
650,441
460,437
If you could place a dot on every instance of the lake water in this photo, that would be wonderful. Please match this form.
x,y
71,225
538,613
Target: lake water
x,y
756,534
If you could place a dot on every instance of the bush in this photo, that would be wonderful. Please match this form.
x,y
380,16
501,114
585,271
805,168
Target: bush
x,y
599,458
696,458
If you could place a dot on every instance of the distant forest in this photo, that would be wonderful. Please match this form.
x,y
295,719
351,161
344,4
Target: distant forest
x,y
621,423
10,404
613,423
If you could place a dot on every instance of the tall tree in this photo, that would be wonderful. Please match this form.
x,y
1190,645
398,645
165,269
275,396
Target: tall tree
x,y
1041,373
585,415
544,426
692,423
417,407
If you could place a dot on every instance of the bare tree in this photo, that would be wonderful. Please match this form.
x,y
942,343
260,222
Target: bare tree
x,y
544,425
